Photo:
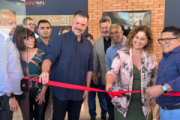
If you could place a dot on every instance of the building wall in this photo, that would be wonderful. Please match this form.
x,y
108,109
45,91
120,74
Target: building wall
x,y
157,7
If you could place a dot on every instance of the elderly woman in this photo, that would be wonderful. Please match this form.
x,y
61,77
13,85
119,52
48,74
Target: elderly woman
x,y
133,68
31,60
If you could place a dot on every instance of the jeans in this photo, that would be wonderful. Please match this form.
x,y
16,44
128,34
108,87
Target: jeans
x,y
169,114
110,106
37,111
71,106
92,100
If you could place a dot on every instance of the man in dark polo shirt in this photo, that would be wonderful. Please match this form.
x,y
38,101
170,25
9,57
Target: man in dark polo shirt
x,y
70,57
44,29
168,75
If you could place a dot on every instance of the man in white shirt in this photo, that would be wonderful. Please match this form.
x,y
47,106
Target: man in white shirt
x,y
10,70
29,23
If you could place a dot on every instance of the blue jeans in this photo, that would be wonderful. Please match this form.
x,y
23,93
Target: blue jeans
x,y
92,100
169,114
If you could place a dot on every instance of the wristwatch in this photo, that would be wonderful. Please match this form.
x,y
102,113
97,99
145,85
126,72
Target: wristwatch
x,y
11,95
164,88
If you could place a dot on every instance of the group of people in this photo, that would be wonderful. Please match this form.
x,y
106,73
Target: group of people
x,y
28,52
113,62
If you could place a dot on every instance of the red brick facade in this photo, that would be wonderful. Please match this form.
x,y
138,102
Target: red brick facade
x,y
157,7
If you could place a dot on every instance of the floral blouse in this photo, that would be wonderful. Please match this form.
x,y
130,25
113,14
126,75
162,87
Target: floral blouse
x,y
33,69
122,71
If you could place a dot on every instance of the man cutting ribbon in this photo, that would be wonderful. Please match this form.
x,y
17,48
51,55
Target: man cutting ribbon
x,y
70,57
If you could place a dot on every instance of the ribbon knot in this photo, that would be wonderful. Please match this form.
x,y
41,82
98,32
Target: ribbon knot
x,y
113,94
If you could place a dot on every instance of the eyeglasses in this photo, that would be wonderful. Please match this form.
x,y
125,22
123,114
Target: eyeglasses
x,y
30,24
167,40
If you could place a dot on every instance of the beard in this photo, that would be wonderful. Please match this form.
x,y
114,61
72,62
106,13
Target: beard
x,y
105,34
117,41
78,35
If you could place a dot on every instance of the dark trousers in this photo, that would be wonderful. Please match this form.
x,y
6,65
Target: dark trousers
x,y
5,109
6,114
23,101
37,111
110,106
60,107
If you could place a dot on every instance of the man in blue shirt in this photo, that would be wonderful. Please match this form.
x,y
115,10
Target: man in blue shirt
x,y
44,29
168,75
116,35
70,57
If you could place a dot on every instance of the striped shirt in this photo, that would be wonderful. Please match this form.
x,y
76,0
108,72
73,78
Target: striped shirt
x,y
10,67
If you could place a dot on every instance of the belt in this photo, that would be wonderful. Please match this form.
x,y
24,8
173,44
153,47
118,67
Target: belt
x,y
172,107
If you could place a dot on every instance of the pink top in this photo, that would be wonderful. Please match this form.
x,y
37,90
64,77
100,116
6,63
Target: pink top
x,y
122,71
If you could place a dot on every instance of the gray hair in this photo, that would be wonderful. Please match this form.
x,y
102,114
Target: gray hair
x,y
25,20
105,19
120,28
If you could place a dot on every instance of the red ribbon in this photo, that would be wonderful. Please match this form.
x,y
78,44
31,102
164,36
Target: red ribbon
x,y
77,87
172,93
113,94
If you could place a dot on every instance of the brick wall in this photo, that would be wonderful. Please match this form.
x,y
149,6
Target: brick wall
x,y
157,7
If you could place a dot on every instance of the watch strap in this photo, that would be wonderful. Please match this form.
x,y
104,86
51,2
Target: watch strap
x,y
164,88
11,96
